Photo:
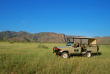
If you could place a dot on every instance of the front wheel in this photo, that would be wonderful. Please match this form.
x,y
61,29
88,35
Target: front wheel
x,y
88,54
65,55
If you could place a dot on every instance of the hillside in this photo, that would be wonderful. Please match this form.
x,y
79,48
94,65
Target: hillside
x,y
28,37
103,40
42,37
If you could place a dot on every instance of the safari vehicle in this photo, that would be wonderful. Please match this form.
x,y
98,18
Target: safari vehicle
x,y
73,48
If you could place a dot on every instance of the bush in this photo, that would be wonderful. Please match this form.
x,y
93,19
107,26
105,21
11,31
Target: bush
x,y
11,41
42,46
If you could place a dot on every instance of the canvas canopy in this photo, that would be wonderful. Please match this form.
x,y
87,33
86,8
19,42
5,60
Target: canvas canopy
x,y
91,41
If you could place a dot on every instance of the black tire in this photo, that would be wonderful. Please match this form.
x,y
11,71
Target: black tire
x,y
88,54
65,55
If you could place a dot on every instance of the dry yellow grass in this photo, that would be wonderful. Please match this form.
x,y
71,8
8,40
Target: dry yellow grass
x,y
29,58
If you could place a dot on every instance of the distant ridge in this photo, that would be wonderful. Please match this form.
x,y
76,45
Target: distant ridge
x,y
28,37
42,37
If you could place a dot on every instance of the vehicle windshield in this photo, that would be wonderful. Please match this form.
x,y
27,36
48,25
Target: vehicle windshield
x,y
70,44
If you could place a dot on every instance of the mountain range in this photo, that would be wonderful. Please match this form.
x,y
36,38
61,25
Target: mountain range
x,y
42,37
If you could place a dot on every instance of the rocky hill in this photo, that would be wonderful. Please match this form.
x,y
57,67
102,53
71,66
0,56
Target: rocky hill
x,y
28,37
42,37
103,40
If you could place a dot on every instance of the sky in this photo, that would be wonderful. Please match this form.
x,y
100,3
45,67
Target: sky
x,y
72,17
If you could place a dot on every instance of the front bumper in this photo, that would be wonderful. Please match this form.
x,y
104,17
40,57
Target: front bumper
x,y
56,52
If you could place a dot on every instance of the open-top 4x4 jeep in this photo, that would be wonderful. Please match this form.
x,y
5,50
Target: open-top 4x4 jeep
x,y
77,48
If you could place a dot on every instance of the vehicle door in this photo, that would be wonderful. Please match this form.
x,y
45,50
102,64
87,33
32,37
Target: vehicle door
x,y
75,49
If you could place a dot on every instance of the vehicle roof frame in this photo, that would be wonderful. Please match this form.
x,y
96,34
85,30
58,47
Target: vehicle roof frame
x,y
90,40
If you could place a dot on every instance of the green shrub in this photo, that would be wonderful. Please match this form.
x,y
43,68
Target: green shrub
x,y
42,46
12,42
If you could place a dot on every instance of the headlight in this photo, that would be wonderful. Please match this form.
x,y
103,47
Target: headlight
x,y
60,49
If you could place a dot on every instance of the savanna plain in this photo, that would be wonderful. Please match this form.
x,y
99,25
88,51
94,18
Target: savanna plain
x,y
38,58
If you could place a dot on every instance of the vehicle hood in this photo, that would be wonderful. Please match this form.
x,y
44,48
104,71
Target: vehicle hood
x,y
62,47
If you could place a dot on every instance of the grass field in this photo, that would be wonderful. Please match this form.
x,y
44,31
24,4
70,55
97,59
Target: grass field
x,y
37,58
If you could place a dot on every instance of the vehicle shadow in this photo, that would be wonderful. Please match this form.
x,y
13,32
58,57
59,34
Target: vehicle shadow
x,y
97,54
79,55
75,55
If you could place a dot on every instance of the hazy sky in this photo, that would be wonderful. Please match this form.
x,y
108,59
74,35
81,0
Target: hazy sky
x,y
71,17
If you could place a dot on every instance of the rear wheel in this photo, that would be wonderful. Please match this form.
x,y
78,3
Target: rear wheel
x,y
88,54
65,55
